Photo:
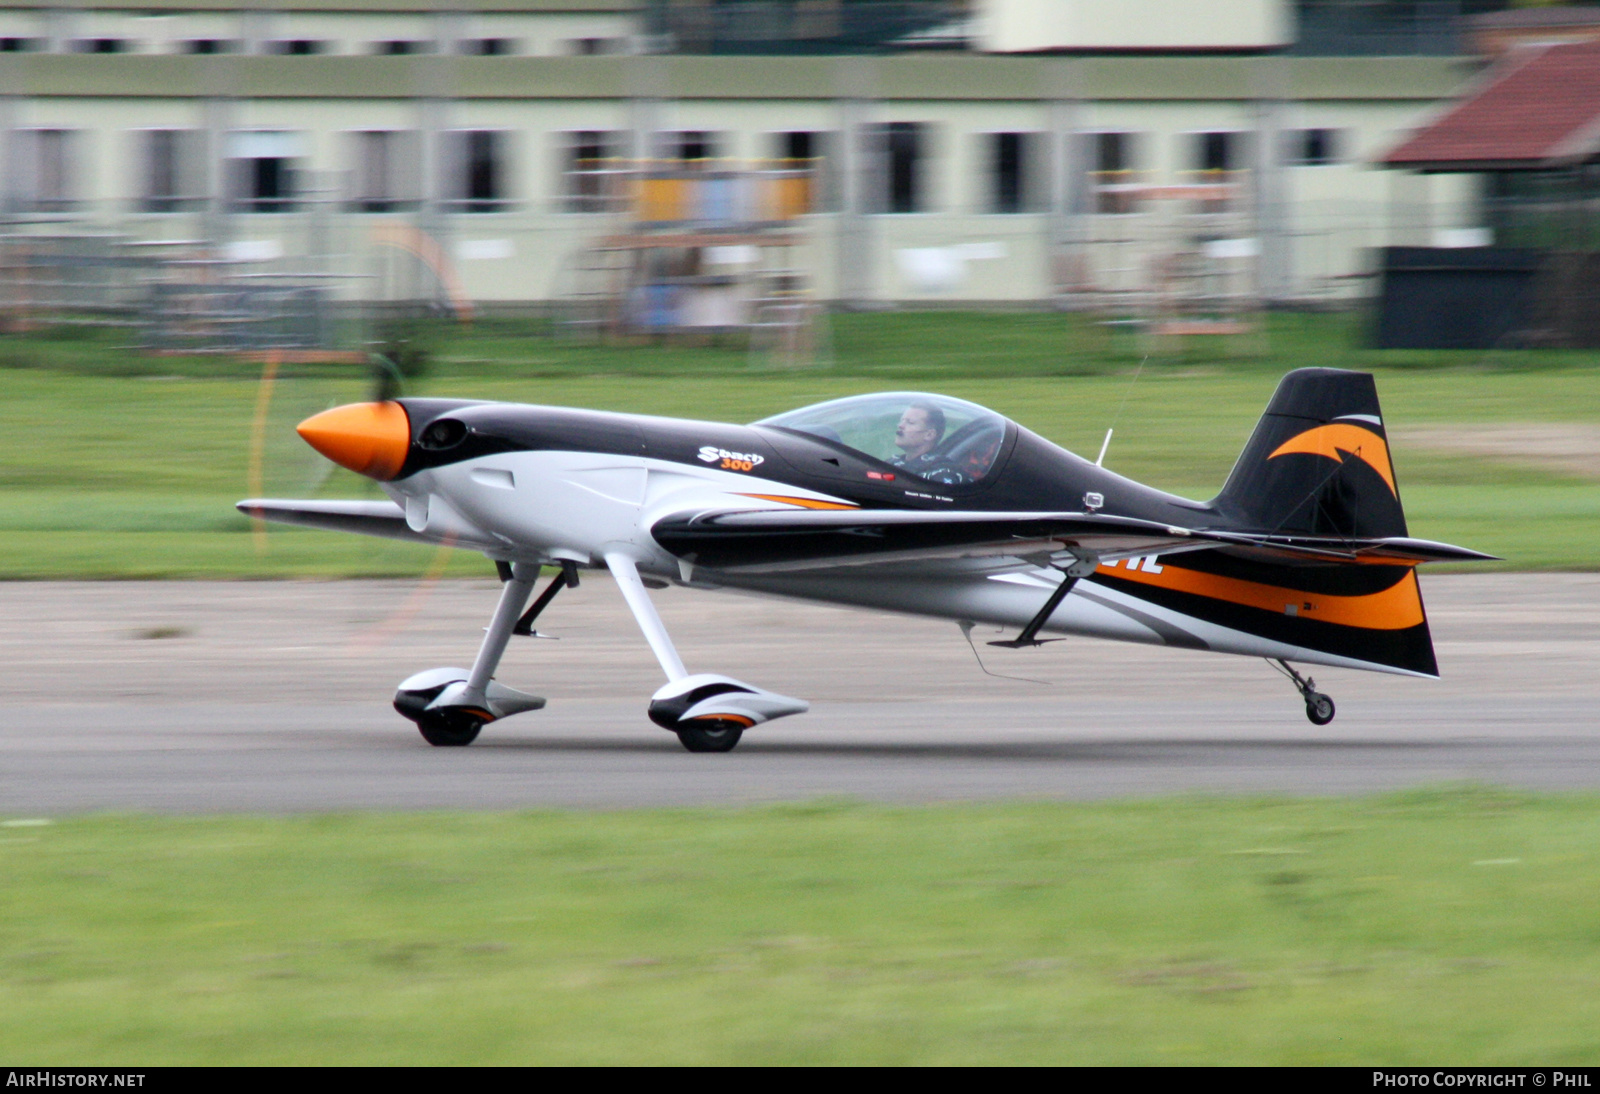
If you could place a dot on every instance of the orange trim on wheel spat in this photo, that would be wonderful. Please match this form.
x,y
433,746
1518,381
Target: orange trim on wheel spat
x,y
740,718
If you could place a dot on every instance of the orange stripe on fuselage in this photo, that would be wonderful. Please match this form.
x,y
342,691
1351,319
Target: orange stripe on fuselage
x,y
804,503
1393,609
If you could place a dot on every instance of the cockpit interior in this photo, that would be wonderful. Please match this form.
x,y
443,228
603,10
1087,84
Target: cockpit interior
x,y
932,437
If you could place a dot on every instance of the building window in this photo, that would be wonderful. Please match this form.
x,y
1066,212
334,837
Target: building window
x,y
267,184
296,47
400,47
173,170
800,147
488,47
592,172
596,47
900,149
101,45
209,45
261,170
1115,172
46,172
692,148
385,170
478,171
1216,152
1313,147
1014,161
807,153
18,45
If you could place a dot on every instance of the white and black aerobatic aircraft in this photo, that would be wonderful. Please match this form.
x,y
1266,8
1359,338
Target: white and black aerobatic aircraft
x,y
902,502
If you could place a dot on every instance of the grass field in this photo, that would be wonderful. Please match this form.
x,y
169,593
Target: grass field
x,y
117,465
1446,926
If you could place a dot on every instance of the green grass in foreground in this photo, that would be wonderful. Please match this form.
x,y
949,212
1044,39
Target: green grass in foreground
x,y
110,467
1457,925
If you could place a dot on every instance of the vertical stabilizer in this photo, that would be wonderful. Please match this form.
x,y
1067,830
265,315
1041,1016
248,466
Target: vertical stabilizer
x,y
1318,462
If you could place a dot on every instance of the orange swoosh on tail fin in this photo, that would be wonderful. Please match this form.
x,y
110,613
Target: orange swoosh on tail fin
x,y
1336,437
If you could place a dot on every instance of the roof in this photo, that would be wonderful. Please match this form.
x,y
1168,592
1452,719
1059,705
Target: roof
x,y
1540,107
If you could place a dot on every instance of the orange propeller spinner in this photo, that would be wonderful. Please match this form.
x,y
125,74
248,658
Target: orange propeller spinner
x,y
371,439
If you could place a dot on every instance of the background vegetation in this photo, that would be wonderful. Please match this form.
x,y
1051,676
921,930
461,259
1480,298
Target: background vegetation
x,y
119,464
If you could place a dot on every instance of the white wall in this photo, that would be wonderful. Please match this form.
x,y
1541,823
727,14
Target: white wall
x,y
1022,26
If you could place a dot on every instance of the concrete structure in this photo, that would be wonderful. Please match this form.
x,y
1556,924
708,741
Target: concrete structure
x,y
942,177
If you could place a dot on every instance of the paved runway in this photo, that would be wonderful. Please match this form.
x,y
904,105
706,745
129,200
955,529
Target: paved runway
x,y
273,697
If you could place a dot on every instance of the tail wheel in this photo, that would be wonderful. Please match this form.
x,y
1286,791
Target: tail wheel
x,y
449,729
710,736
1319,708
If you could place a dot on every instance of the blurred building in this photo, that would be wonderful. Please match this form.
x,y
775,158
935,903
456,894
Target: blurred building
x,y
1065,151
1528,135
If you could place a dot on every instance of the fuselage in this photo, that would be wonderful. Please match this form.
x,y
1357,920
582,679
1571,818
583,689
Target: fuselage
x,y
761,461
543,484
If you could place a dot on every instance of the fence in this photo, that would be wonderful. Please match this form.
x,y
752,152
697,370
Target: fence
x,y
187,281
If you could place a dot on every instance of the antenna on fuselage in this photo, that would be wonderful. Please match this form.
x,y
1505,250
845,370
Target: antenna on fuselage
x,y
1099,461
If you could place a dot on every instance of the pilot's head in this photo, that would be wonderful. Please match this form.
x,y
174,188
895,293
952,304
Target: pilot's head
x,y
919,430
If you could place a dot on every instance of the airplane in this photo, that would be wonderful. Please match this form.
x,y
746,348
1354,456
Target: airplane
x,y
899,501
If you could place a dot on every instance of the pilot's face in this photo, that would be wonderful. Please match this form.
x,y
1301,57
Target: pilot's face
x,y
914,436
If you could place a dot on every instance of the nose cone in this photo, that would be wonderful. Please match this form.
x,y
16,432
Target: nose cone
x,y
369,438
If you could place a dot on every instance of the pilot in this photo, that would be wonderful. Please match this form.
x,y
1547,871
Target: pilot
x,y
920,429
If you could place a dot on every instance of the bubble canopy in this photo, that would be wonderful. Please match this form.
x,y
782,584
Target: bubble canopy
x,y
932,437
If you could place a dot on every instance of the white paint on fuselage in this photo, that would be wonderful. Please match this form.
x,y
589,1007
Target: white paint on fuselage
x,y
584,505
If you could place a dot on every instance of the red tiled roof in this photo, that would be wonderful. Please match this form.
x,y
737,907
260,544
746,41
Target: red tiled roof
x,y
1540,106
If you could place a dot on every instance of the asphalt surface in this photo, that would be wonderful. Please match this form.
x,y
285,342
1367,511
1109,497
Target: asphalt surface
x,y
274,697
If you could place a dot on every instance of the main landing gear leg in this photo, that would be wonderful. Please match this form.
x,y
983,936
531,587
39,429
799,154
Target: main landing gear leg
x,y
709,713
1080,567
451,705
1319,707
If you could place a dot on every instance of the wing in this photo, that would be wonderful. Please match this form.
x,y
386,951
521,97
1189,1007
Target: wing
x,y
369,518
770,540
792,539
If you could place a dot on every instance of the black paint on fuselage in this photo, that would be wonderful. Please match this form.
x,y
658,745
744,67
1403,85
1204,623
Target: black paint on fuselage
x,y
1028,474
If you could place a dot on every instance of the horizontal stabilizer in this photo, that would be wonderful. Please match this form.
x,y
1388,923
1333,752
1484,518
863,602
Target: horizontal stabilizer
x,y
1395,549
1424,550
